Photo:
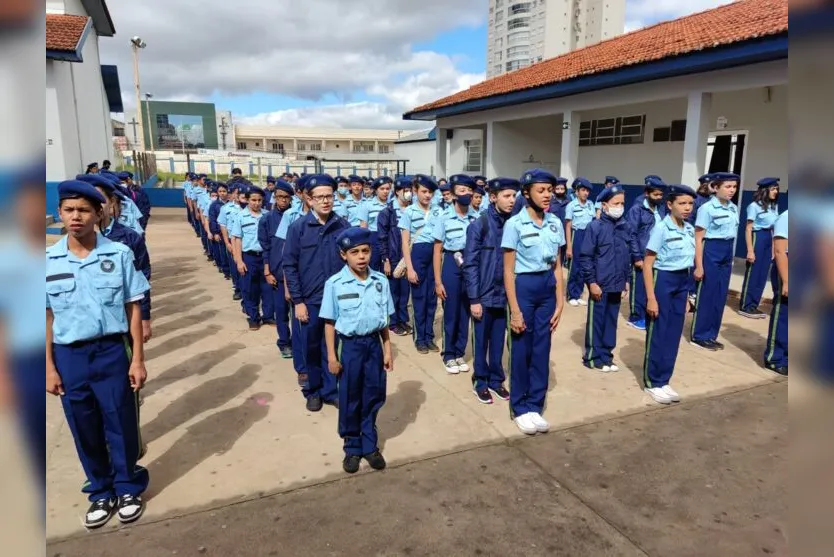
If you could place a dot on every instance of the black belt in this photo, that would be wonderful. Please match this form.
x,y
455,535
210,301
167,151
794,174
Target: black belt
x,y
253,253
678,272
452,251
117,337
375,334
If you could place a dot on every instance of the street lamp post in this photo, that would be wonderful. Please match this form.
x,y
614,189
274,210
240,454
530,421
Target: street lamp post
x,y
148,98
137,43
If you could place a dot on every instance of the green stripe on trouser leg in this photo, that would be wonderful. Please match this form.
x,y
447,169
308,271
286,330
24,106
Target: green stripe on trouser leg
x,y
777,308
747,277
589,330
697,303
129,353
647,352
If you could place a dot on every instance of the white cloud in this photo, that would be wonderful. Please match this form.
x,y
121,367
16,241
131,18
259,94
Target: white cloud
x,y
640,13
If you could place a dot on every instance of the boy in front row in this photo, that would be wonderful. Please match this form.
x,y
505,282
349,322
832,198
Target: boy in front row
x,y
356,306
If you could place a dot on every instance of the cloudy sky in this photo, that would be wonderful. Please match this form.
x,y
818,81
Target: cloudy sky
x,y
329,63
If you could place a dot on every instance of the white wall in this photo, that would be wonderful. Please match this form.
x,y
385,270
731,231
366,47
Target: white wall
x,y
514,143
421,156
455,163
91,102
61,151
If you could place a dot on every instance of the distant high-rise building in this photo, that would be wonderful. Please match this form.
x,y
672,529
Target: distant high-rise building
x,y
523,33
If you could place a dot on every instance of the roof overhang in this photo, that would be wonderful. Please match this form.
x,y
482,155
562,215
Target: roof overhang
x,y
75,54
743,53
110,79
360,157
97,9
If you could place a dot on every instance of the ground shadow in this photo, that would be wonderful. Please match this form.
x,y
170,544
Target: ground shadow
x,y
214,435
167,272
400,410
747,340
183,322
162,287
212,394
179,342
198,364
175,304
631,356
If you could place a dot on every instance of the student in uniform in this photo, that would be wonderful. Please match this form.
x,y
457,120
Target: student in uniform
x,y
127,214
224,221
445,195
578,215
218,242
761,216
356,308
105,164
186,191
142,200
483,273
478,205
535,297
418,244
369,214
248,256
642,219
666,268
311,256
776,350
654,180
92,168
704,193
368,189
610,181
273,249
391,248
95,357
342,192
449,234
355,200
608,252
269,190
716,228
559,207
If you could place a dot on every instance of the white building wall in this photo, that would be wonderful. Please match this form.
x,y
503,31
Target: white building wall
x,y
514,143
91,103
456,161
420,155
62,151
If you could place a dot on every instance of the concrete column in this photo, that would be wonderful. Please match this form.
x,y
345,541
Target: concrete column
x,y
698,109
295,147
441,146
376,146
323,146
490,167
569,161
266,147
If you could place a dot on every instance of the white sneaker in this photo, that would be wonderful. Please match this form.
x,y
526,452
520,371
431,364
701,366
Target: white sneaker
x,y
452,367
574,303
605,369
462,365
525,424
582,302
659,395
614,367
541,424
671,393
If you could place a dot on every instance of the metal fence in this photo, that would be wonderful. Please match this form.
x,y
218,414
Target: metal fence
x,y
144,165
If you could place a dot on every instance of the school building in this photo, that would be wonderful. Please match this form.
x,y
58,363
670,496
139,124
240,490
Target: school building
x,y
703,93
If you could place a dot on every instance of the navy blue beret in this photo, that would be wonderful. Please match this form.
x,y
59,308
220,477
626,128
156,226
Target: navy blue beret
x,y
654,181
444,186
283,185
243,188
680,189
403,183
223,185
342,180
97,181
201,176
480,179
705,179
124,175
560,180
582,183
768,182
301,183
480,190
354,178
498,184
353,237
426,181
724,177
254,189
537,176
270,179
316,180
612,180
381,180
462,180
213,188
608,193
73,189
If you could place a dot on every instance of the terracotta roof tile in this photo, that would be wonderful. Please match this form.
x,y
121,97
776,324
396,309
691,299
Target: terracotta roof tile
x,y
736,22
63,32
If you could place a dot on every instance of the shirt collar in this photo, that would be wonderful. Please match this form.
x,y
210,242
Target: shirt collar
x,y
347,277
717,204
670,224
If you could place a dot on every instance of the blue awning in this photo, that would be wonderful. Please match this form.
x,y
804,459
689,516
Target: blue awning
x,y
110,78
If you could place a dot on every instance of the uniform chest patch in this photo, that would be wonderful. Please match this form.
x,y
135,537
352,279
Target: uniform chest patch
x,y
553,228
379,287
107,266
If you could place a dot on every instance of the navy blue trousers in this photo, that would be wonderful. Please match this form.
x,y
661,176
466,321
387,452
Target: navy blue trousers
x,y
281,314
204,239
268,298
601,329
637,295
575,283
456,311
755,278
28,384
776,350
312,354
423,297
663,335
362,386
488,348
253,285
103,415
712,292
233,271
400,289
530,350
376,253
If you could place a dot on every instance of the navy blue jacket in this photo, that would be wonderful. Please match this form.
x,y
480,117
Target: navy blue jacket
x,y
638,202
699,200
141,260
272,246
311,256
214,212
483,260
642,222
140,197
607,253
268,198
390,238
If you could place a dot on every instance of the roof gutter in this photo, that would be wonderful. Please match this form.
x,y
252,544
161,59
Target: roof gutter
x,y
752,51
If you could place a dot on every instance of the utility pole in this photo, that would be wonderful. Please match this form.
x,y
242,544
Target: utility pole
x,y
137,43
223,132
148,97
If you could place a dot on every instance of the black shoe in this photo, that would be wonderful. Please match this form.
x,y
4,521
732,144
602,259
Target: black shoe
x,y
408,329
717,345
422,349
131,508
268,322
227,277
433,347
254,325
501,393
286,352
314,403
236,296
780,370
375,460
395,329
351,463
101,512
334,403
483,395
402,331
705,344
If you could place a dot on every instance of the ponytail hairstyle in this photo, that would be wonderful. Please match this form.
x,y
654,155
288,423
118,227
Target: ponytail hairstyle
x,y
762,197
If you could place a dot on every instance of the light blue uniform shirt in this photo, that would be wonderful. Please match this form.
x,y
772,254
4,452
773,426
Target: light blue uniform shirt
x,y
675,247
450,229
353,209
194,191
292,215
245,227
227,208
720,221
203,202
657,216
21,271
130,215
419,223
580,215
339,208
357,307
780,228
187,187
369,212
87,297
536,247
763,219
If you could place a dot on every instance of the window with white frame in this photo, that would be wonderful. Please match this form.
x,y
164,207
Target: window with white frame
x,y
499,17
241,145
499,56
518,37
474,158
519,23
622,130
315,146
499,43
363,147
517,64
520,8
384,149
302,146
518,51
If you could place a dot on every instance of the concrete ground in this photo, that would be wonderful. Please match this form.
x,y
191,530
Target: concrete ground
x,y
230,444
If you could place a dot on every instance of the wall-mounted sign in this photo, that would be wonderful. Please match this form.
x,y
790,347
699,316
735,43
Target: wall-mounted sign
x,y
566,125
721,124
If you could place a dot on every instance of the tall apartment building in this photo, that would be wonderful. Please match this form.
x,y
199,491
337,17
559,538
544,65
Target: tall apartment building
x,y
523,33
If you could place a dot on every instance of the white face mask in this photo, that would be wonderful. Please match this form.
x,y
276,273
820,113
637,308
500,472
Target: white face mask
x,y
615,212
407,196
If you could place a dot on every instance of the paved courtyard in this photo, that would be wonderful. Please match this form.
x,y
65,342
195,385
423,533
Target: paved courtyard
x,y
233,451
